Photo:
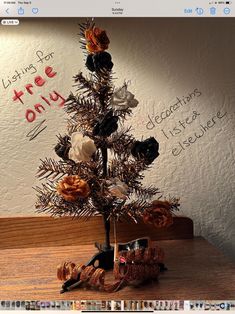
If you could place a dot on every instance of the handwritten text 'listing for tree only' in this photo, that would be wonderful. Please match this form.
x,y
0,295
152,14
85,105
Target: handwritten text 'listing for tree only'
x,y
33,87
34,76
39,81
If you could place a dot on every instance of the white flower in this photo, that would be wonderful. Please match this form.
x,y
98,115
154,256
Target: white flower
x,y
117,188
123,99
82,147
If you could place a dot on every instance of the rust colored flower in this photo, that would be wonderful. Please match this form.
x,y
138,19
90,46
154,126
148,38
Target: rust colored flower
x,y
97,39
159,214
73,187
163,204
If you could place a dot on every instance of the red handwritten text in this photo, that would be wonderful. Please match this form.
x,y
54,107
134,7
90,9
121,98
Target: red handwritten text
x,y
39,81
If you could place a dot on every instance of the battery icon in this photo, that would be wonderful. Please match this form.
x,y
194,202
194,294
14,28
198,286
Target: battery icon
x,y
228,2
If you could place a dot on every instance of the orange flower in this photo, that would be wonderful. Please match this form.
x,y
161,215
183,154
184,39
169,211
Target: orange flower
x,y
163,204
159,214
73,187
97,39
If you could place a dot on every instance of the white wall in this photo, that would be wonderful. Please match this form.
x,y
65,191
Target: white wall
x,y
164,59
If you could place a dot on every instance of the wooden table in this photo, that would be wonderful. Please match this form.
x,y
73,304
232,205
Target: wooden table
x,y
197,270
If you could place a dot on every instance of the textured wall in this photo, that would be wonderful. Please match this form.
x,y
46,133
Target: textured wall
x,y
192,59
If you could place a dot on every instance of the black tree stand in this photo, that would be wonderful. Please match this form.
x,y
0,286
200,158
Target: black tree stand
x,y
105,257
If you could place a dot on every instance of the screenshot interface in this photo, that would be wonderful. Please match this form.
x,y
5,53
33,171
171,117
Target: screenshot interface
x,y
117,155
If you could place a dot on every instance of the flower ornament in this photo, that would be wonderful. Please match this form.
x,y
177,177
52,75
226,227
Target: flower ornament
x,y
98,61
107,125
123,99
73,187
63,147
82,147
117,188
159,214
97,39
147,149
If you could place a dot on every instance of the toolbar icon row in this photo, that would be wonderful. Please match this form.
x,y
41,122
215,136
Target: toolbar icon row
x,y
21,11
200,11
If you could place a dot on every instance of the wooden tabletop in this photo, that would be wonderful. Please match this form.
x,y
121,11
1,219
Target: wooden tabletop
x,y
197,270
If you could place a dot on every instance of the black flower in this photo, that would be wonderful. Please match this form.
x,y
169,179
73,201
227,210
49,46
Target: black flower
x,y
147,149
63,147
90,63
98,61
107,125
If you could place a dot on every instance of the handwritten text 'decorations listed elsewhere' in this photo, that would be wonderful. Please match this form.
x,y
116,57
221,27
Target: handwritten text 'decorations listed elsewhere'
x,y
184,124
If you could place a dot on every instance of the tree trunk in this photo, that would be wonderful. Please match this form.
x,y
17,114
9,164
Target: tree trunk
x,y
107,245
106,220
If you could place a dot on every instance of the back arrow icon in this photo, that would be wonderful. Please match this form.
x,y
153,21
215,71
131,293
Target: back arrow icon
x,y
7,10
